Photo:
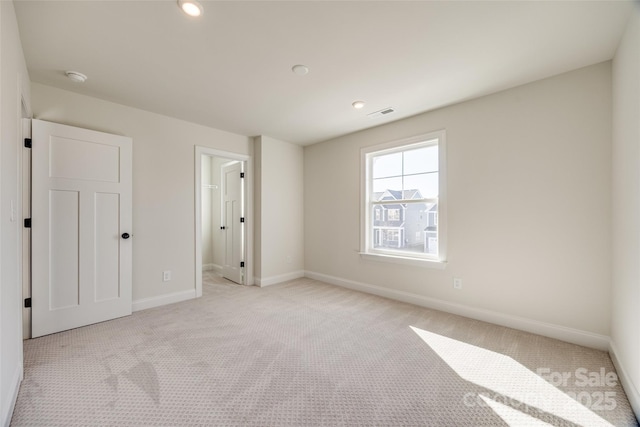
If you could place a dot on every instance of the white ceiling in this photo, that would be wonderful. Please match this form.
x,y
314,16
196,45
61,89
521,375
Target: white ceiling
x,y
231,68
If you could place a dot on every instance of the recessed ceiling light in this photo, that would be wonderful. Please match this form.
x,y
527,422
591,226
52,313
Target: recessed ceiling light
x,y
76,76
300,69
358,104
191,7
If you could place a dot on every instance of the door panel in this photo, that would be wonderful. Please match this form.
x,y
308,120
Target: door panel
x,y
107,246
100,162
82,198
63,257
233,212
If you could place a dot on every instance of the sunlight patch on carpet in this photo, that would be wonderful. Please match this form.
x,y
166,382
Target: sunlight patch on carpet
x,y
508,379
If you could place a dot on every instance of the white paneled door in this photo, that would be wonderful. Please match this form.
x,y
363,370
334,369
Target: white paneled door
x,y
80,227
233,219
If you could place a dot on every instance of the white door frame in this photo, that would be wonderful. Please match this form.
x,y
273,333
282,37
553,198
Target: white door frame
x,y
24,205
248,194
25,194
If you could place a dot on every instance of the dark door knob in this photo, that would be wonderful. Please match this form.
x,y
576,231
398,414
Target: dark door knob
x,y
223,228
125,235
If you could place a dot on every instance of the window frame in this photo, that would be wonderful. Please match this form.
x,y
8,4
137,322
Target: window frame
x,y
367,251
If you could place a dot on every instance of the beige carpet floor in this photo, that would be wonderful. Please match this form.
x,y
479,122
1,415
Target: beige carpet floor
x,y
307,353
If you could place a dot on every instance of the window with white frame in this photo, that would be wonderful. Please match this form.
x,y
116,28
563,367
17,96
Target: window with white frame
x,y
405,176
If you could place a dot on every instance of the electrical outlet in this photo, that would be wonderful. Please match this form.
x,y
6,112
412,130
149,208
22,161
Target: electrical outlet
x,y
166,275
457,283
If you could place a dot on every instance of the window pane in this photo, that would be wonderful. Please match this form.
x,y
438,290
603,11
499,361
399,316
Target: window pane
x,y
384,184
414,231
431,230
421,160
387,165
426,184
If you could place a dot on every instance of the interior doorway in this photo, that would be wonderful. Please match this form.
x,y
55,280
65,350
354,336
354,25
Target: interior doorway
x,y
223,212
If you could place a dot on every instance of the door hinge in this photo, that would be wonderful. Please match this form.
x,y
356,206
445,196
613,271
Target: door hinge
x,y
241,264
27,303
27,223
241,174
242,219
27,143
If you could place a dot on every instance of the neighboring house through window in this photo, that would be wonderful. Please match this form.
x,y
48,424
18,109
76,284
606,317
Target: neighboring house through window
x,y
404,199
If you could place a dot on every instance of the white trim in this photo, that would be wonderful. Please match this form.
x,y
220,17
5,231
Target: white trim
x,y
25,205
14,388
248,256
629,387
267,281
160,300
563,333
417,262
212,267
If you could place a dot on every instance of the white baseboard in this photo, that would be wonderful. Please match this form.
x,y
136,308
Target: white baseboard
x,y
629,387
13,397
575,336
212,267
266,281
143,304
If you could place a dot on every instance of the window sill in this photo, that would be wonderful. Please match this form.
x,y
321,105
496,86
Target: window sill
x,y
427,263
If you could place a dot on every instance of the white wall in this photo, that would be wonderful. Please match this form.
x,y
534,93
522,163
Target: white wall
x,y
217,239
14,85
625,334
207,223
279,206
212,235
528,208
163,180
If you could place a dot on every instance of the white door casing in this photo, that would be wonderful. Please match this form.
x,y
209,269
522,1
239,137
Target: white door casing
x,y
232,212
26,232
81,210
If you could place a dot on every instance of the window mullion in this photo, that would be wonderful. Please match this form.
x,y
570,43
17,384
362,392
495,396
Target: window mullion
x,y
403,201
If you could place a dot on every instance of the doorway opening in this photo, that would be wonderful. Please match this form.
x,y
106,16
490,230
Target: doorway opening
x,y
223,213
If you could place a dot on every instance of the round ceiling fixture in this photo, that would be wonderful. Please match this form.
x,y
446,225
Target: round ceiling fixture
x,y
358,104
76,76
300,69
191,7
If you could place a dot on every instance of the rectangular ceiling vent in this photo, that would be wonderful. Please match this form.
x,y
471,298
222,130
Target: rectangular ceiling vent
x,y
381,113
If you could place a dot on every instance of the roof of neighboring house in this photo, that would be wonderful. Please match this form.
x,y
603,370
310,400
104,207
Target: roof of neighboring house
x,y
397,195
